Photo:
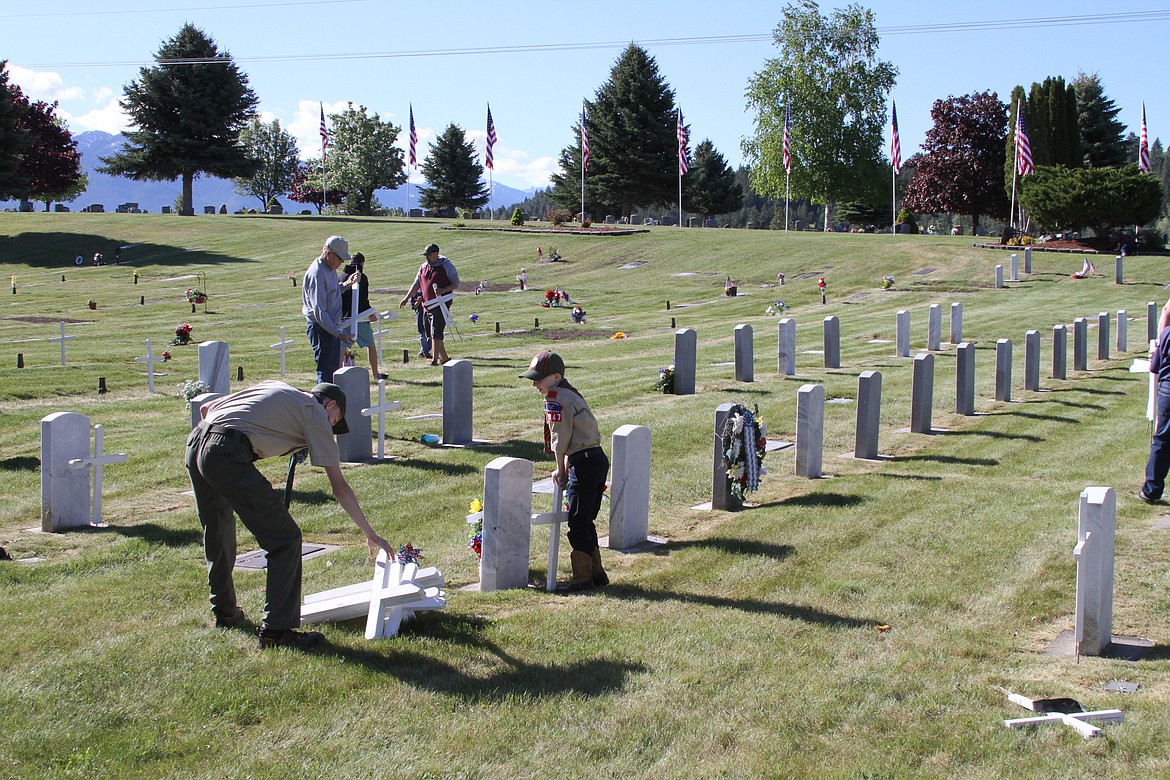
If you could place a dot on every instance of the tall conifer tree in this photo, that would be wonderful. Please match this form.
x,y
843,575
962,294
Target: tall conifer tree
x,y
454,175
1102,136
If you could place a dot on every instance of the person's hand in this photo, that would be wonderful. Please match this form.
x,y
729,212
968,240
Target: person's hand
x,y
376,543
402,302
560,478
347,338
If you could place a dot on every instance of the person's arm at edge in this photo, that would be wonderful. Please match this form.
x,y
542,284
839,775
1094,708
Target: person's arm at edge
x,y
345,496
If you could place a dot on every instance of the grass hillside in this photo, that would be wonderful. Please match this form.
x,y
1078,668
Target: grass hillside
x,y
745,647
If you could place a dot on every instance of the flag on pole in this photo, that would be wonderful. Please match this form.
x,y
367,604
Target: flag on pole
x,y
895,144
491,141
413,140
324,132
1024,164
682,145
787,153
1144,145
584,141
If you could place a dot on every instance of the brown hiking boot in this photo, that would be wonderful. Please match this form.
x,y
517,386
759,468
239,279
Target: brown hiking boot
x,y
582,574
297,640
600,578
227,618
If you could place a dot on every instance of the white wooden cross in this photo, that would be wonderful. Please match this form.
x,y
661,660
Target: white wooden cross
x,y
390,598
434,303
381,410
553,519
1076,720
62,338
97,462
149,360
351,324
386,315
283,343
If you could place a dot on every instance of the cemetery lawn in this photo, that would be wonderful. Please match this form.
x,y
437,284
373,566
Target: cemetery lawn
x,y
750,644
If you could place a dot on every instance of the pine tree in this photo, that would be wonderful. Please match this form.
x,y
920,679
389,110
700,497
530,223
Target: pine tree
x,y
632,142
1102,136
710,186
454,176
279,160
188,117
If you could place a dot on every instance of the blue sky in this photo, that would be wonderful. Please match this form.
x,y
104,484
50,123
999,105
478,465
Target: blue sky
x,y
534,61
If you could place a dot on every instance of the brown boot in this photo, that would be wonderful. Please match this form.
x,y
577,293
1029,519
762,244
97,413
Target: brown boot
x,y
600,578
582,573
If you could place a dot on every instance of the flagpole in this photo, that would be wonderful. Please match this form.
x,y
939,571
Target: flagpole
x,y
582,183
787,190
1015,165
894,196
584,157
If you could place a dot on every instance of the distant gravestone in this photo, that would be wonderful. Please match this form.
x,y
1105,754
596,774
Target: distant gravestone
x,y
832,342
869,409
507,529
1003,370
1059,352
902,344
209,209
1080,344
215,366
786,346
922,393
357,446
165,210
457,408
965,379
629,487
1027,259
934,328
1094,552
1151,321
999,277
956,323
1015,268
1118,270
810,430
1122,330
64,489
1032,361
744,354
685,359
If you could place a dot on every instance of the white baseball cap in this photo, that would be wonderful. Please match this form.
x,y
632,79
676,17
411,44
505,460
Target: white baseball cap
x,y
339,246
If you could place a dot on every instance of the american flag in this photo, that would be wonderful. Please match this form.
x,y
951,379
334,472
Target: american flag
x,y
1144,145
584,141
413,140
491,141
324,132
895,144
787,154
1024,164
682,145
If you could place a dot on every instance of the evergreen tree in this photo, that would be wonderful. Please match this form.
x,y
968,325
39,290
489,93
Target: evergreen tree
x,y
709,186
13,137
1102,136
188,117
632,142
276,150
963,157
363,158
454,175
1051,120
830,77
1103,199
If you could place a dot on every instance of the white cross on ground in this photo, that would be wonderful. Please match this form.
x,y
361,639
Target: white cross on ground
x,y
553,519
434,303
149,360
97,462
62,338
283,343
381,410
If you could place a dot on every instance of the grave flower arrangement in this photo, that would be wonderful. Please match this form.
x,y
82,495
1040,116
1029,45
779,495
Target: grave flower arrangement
x,y
887,282
182,335
555,297
195,296
619,335
665,383
473,317
578,315
475,527
776,308
408,553
192,388
166,357
744,442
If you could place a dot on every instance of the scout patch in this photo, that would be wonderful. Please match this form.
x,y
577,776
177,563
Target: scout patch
x,y
552,411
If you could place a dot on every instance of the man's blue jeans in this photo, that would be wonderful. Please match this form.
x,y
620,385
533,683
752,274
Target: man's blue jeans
x,y
326,351
1159,462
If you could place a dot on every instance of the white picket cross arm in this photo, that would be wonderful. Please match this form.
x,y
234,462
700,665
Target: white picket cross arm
x,y
553,519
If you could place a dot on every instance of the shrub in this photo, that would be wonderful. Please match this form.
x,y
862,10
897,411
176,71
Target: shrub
x,y
906,217
517,217
559,216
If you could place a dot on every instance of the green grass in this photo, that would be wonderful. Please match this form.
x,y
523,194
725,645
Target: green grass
x,y
743,648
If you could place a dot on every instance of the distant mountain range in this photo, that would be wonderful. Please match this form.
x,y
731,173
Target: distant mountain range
x,y
111,191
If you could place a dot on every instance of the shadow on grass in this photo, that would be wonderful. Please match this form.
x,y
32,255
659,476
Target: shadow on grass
x,y
730,546
1087,391
998,435
311,497
1035,416
56,250
1073,404
157,534
515,448
517,677
779,609
449,469
910,476
947,459
20,463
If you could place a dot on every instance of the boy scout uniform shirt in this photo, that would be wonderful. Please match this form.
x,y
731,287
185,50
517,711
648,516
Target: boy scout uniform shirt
x,y
278,419
572,427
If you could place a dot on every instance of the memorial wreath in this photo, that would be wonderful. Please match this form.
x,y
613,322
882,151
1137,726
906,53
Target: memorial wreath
x,y
744,445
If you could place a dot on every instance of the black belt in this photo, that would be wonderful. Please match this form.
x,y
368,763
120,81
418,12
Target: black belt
x,y
577,457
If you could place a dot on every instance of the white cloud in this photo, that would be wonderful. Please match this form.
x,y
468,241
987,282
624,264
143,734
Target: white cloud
x,y
45,86
109,118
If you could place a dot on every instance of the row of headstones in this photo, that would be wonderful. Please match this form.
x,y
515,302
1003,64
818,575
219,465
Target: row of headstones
x,y
508,519
67,461
1118,268
686,343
